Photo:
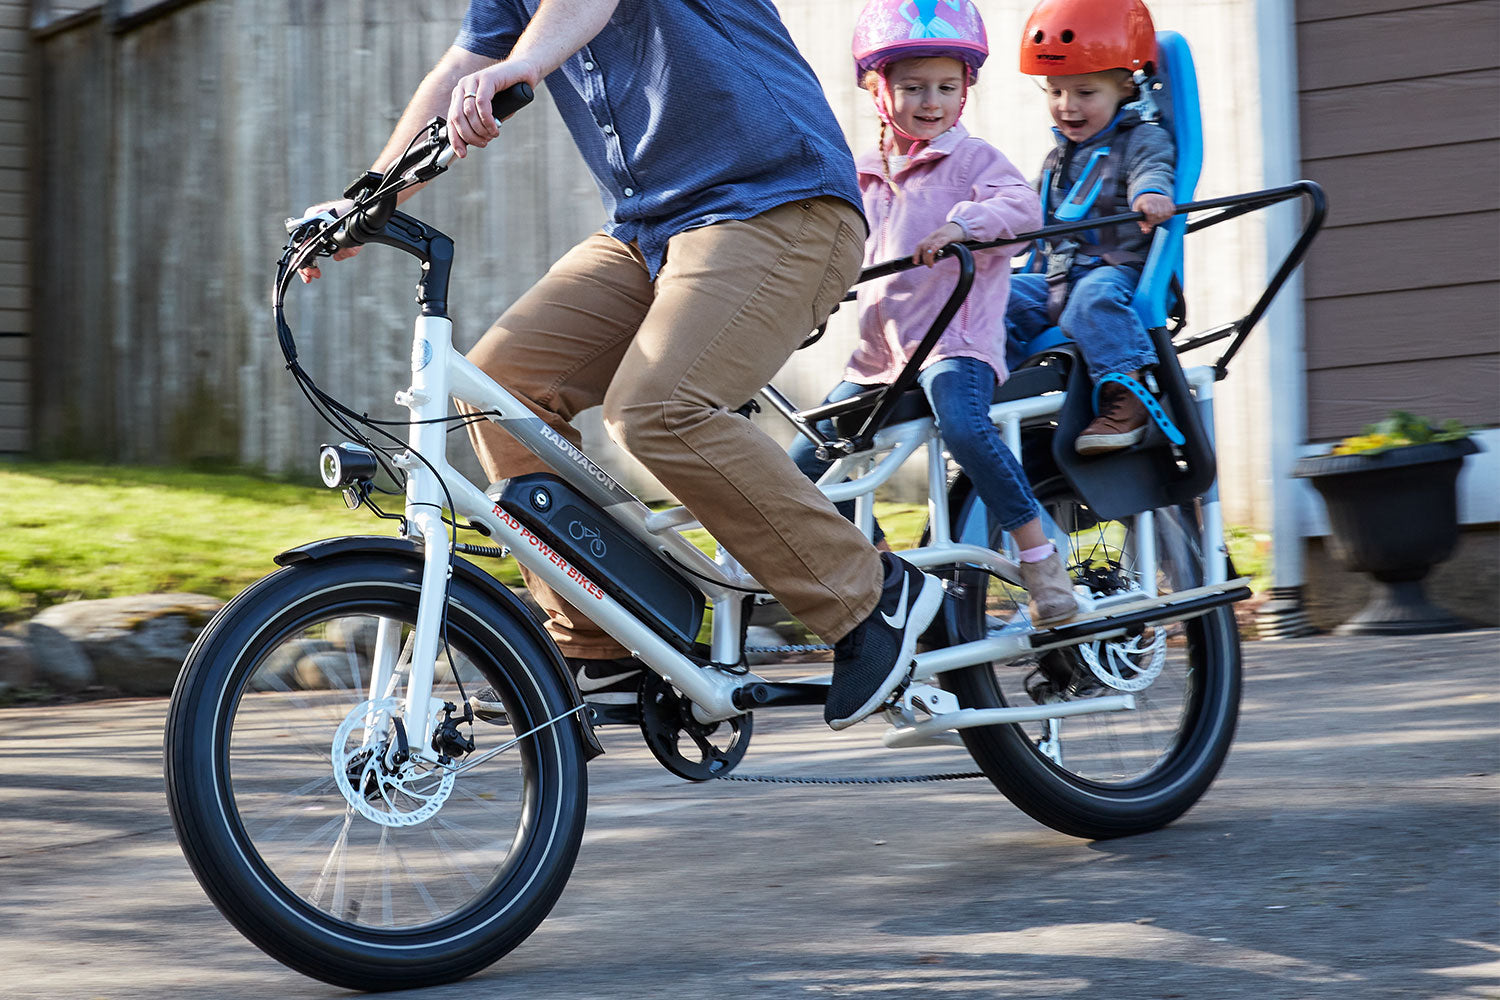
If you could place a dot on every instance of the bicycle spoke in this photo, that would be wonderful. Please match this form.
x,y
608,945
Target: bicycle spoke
x,y
304,688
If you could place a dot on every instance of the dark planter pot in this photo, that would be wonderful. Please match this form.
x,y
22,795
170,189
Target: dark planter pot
x,y
1394,515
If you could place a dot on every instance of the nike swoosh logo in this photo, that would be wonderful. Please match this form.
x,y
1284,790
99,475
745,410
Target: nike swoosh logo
x,y
899,622
587,683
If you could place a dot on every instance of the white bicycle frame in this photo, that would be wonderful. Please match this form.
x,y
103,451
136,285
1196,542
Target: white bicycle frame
x,y
440,372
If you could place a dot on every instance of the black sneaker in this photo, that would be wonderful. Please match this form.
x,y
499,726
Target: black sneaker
x,y
871,662
487,706
602,682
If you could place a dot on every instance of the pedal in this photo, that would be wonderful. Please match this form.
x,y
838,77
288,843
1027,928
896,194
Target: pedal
x,y
918,701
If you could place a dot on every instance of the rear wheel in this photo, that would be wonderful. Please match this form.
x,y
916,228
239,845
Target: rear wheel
x,y
290,802
1107,774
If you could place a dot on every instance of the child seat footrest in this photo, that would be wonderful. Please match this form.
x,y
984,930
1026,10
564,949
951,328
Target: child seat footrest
x,y
1153,408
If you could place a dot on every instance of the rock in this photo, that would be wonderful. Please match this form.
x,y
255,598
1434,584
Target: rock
x,y
56,659
136,644
323,669
278,671
356,634
16,668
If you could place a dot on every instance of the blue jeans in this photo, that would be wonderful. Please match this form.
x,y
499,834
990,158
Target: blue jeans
x,y
960,391
1097,316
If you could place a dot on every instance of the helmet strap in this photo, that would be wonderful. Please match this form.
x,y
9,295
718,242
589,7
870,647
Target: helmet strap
x,y
885,106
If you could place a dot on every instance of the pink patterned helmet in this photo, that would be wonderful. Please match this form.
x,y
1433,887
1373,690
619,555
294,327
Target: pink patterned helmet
x,y
888,30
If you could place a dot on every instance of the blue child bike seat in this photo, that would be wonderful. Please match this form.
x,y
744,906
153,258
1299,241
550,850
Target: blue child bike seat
x,y
1174,91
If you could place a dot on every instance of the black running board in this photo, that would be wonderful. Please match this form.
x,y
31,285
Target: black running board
x,y
1159,611
1173,608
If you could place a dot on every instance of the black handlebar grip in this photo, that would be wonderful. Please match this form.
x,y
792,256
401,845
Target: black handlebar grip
x,y
511,99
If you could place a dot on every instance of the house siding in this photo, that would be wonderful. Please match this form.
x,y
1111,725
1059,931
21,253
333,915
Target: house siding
x,y
1397,105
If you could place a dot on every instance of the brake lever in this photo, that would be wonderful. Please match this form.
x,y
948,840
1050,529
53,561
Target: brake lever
x,y
300,229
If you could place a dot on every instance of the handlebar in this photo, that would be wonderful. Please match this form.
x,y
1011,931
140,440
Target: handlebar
x,y
373,218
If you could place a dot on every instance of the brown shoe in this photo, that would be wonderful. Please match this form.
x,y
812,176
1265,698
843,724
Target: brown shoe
x,y
1121,422
1050,591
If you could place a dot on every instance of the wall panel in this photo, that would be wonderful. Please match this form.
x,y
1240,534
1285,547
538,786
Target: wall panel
x,y
1403,287
15,234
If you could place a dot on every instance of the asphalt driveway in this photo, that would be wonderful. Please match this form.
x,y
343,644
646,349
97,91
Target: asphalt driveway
x,y
1350,848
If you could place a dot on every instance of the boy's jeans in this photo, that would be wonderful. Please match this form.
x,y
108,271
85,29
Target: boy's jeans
x,y
960,391
1097,316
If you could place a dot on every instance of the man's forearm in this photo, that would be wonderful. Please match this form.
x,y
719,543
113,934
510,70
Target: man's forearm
x,y
558,29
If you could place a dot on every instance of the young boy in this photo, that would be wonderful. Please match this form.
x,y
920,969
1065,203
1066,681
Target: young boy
x,y
1106,158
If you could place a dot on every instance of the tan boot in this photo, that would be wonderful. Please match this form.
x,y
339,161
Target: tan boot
x,y
1050,591
1121,422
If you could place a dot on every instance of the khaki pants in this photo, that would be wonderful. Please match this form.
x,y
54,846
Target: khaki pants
x,y
670,361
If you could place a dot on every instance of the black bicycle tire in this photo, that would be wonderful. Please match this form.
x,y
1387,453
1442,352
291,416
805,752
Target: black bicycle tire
x,y
1088,809
244,889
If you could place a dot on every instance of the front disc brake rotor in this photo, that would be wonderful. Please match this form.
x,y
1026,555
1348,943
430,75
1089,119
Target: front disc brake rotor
x,y
382,790
688,748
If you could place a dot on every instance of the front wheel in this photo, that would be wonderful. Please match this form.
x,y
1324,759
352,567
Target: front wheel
x,y
1107,774
320,850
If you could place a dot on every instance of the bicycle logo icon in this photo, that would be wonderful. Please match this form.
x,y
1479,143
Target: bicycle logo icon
x,y
582,532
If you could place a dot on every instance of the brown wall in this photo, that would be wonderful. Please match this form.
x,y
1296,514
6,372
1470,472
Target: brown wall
x,y
15,313
162,225
1399,123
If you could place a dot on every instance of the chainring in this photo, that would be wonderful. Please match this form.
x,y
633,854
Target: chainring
x,y
711,750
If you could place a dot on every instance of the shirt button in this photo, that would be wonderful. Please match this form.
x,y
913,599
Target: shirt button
x,y
588,66
629,192
609,130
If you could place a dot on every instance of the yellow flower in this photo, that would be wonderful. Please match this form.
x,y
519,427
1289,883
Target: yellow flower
x,y
1397,431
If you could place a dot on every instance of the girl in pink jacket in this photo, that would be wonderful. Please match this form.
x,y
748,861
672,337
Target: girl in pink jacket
x,y
930,184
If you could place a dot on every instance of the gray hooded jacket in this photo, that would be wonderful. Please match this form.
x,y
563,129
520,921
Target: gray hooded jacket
x,y
1142,158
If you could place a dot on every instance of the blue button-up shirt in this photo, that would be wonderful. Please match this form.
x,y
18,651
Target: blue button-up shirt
x,y
688,112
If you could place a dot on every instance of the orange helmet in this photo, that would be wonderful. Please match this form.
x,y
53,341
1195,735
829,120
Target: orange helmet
x,y
1069,37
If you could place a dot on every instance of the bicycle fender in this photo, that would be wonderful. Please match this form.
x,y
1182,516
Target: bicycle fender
x,y
505,602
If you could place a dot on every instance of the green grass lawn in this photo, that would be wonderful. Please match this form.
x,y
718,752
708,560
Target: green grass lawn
x,y
72,532
75,532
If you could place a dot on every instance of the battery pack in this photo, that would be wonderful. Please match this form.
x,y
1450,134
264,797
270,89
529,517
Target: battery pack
x,y
623,568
